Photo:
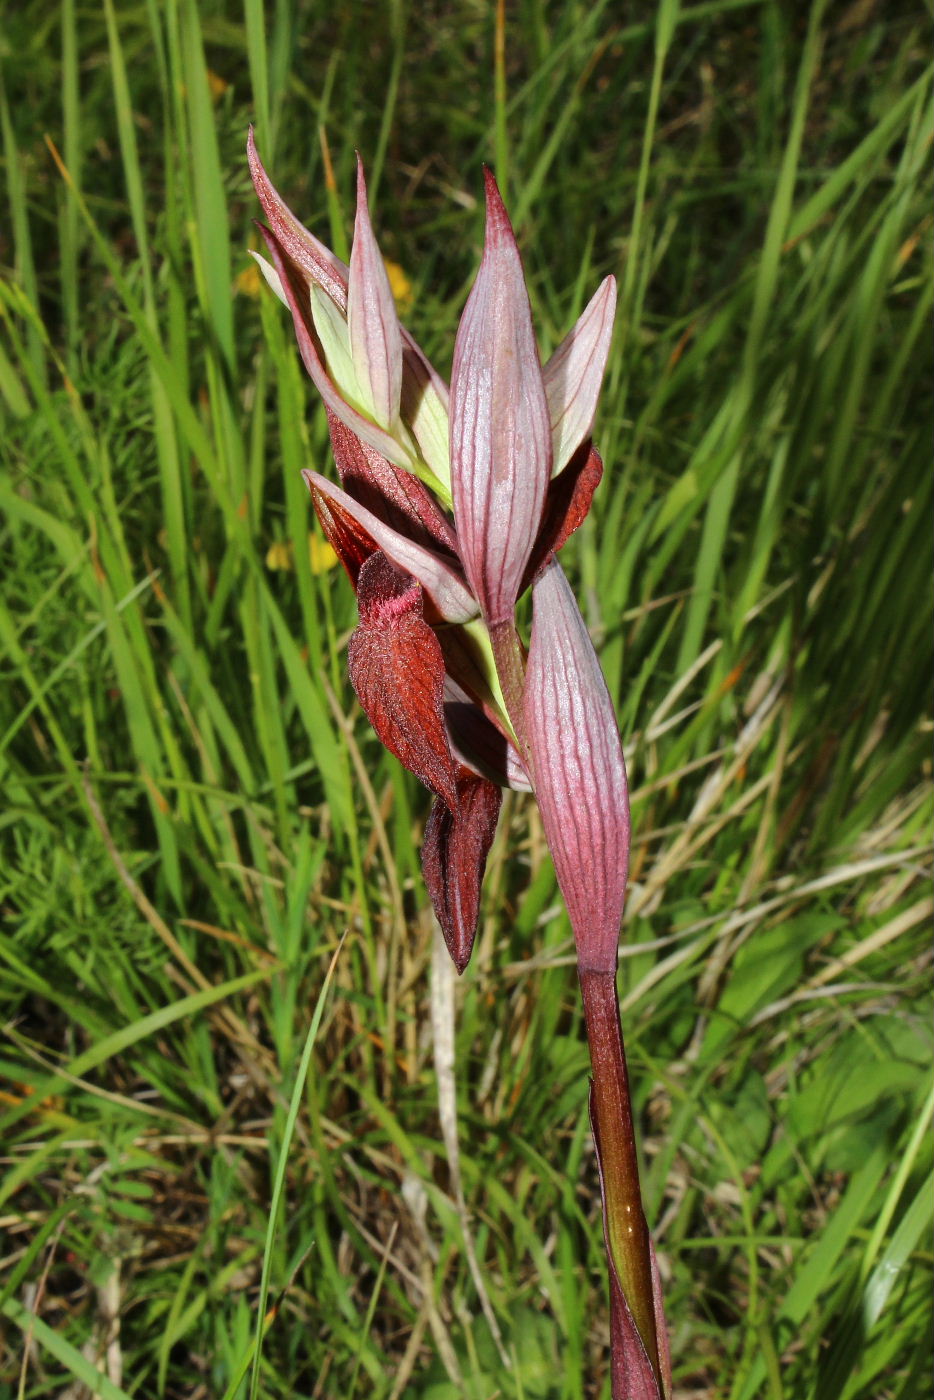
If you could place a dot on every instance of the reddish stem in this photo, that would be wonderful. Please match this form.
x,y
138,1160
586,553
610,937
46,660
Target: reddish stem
x,y
611,1108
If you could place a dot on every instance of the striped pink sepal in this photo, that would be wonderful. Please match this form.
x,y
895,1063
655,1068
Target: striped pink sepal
x,y
500,426
375,334
577,768
441,579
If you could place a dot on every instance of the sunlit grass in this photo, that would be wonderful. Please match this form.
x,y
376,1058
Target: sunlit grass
x,y
195,812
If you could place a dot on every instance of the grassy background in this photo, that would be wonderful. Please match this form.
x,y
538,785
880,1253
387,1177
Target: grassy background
x,y
196,813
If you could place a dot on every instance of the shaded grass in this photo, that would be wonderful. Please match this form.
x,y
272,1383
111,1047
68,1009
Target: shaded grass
x,y
196,814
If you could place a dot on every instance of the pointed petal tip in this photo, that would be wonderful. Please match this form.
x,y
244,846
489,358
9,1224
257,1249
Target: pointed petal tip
x,y
498,224
454,852
257,170
307,253
607,293
459,949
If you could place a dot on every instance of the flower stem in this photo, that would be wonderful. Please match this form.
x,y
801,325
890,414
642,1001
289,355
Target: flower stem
x,y
627,1234
509,657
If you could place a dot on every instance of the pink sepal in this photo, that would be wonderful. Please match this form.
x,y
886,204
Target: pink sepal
x,y
441,580
574,374
375,336
577,768
313,361
500,427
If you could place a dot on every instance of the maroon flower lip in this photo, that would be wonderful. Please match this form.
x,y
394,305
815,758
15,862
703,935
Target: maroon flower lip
x,y
450,506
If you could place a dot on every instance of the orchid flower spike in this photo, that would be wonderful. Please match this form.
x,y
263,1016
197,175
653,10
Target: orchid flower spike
x,y
450,506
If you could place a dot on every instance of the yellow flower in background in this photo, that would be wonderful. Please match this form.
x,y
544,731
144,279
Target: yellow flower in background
x,y
280,555
217,85
320,554
399,285
249,280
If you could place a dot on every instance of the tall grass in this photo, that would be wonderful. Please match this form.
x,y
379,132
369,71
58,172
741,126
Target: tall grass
x,y
195,812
